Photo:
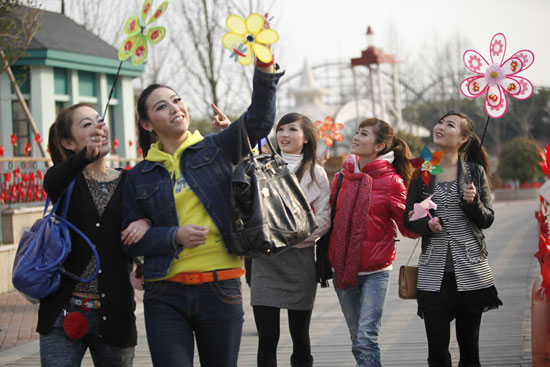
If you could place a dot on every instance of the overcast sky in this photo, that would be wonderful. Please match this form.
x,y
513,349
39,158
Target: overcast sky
x,y
335,29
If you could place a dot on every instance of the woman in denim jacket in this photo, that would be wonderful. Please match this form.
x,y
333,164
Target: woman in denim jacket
x,y
192,285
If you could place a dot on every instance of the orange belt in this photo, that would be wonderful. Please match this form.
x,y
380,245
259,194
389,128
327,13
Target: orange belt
x,y
206,277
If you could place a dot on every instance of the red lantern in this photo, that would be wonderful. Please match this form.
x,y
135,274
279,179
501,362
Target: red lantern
x,y
27,149
38,139
17,173
130,143
1,150
115,144
14,140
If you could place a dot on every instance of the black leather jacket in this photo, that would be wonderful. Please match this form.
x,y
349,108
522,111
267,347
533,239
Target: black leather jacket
x,y
479,212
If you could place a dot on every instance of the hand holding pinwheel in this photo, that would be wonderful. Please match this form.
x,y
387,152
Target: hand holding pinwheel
x,y
249,37
423,208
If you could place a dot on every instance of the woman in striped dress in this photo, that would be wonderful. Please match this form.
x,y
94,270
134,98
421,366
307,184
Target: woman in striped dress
x,y
454,277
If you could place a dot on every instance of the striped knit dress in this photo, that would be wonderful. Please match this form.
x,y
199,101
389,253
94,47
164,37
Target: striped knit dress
x,y
473,275
471,268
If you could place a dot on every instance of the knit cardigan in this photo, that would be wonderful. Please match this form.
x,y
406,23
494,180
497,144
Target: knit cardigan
x,y
117,325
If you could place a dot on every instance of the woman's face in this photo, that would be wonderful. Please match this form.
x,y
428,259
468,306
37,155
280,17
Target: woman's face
x,y
88,124
168,115
364,144
290,137
448,132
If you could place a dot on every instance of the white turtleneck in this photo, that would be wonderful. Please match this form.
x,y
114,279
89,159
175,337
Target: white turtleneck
x,y
293,160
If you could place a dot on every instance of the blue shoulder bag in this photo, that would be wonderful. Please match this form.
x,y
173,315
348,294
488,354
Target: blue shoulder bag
x,y
38,264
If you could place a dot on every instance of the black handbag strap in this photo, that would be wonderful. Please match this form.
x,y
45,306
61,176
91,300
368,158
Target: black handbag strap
x,y
246,141
333,211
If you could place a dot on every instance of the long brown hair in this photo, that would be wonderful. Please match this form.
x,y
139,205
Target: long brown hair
x,y
61,129
309,149
383,133
472,149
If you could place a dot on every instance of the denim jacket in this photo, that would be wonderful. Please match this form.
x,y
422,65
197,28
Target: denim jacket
x,y
207,169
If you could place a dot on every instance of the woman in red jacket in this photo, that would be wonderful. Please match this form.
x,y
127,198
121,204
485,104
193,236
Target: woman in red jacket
x,y
370,207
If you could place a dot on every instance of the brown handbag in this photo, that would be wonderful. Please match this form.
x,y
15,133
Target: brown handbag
x,y
408,275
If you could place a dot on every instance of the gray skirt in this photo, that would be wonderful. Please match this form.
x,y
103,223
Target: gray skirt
x,y
287,280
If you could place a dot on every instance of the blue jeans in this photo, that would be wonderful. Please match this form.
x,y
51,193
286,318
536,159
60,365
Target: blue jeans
x,y
176,315
57,350
362,306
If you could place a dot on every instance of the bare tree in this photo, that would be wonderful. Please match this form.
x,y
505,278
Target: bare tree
x,y
18,25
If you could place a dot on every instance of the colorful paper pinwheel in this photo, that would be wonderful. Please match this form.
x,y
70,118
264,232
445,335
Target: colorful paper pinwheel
x,y
423,208
246,38
329,131
138,36
498,78
427,164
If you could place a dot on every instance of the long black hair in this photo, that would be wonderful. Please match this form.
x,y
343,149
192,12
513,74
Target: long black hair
x,y
146,138
472,149
309,149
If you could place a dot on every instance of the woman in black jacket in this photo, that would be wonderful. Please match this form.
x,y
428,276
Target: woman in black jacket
x,y
454,277
78,143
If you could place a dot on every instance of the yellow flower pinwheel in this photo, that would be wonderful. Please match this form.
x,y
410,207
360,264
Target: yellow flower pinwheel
x,y
246,38
138,36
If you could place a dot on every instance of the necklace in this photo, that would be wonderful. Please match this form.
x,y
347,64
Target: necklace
x,y
102,184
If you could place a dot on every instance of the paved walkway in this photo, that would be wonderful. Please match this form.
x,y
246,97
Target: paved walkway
x,y
505,334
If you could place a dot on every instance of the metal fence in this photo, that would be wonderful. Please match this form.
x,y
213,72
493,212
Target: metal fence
x,y
22,178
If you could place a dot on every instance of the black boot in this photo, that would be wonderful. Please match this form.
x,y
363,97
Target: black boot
x,y
308,363
446,363
468,364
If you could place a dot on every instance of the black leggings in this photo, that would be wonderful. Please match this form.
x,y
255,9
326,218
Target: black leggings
x,y
268,326
438,330
437,321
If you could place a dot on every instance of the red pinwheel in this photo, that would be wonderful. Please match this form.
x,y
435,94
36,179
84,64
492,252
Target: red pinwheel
x,y
329,131
427,165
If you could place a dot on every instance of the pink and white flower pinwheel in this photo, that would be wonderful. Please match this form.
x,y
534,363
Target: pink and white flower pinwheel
x,y
497,78
423,208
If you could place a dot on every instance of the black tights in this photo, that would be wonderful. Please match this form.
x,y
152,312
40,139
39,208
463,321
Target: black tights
x,y
438,330
268,326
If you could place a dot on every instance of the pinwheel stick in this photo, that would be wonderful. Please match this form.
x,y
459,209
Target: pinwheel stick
x,y
485,130
112,90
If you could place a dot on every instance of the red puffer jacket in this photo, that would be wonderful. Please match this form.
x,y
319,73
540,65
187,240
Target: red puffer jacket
x,y
385,214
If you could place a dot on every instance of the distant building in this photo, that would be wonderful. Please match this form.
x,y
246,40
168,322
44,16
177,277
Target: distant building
x,y
65,64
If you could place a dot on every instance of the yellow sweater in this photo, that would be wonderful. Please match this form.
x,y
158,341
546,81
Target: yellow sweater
x,y
212,255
